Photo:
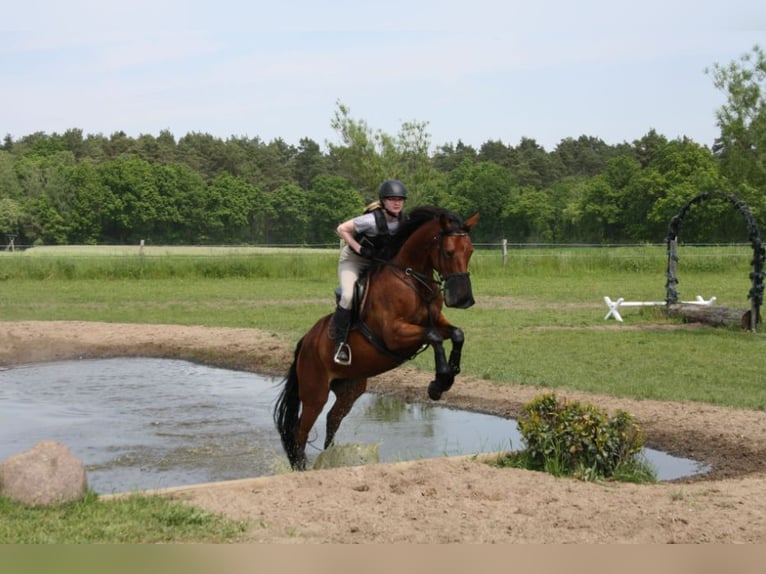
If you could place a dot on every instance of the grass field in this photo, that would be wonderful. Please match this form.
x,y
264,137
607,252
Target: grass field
x,y
539,317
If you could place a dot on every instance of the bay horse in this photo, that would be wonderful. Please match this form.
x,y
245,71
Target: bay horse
x,y
399,315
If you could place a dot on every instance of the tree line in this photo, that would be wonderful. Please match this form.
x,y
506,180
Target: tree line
x,y
76,188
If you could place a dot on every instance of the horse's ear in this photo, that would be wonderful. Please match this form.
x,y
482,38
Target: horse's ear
x,y
471,221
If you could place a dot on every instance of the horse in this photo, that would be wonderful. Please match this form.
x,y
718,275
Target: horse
x,y
399,314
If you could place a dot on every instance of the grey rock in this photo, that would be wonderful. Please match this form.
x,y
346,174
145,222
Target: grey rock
x,y
48,473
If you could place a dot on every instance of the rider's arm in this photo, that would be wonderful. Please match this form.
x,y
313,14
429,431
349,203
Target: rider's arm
x,y
346,232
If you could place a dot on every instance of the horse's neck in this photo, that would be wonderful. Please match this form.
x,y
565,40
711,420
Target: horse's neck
x,y
415,253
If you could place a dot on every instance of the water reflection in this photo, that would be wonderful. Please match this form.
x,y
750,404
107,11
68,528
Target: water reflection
x,y
151,423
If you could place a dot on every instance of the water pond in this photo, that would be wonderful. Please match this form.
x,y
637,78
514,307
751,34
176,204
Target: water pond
x,y
139,423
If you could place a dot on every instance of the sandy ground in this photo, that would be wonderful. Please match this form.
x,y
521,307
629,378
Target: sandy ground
x,y
448,500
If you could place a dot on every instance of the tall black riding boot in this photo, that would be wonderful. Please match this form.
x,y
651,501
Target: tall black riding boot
x,y
341,322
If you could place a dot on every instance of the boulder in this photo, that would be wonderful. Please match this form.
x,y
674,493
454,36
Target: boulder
x,y
46,474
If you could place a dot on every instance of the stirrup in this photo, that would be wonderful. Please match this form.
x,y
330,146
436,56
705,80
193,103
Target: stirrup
x,y
343,354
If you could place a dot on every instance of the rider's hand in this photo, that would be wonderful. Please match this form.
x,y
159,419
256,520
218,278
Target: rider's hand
x,y
366,252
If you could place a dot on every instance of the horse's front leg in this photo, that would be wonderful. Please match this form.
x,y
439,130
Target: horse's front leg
x,y
409,335
444,381
458,338
444,373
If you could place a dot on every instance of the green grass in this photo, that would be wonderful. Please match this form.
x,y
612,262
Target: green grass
x,y
130,520
538,321
637,470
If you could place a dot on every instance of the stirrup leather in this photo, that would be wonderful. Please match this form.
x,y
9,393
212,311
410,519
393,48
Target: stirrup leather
x,y
343,354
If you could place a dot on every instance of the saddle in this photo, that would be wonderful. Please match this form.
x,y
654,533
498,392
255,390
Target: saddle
x,y
357,323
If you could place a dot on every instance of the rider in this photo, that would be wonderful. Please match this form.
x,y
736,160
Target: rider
x,y
365,237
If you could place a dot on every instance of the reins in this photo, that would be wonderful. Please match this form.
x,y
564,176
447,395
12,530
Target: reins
x,y
422,278
426,287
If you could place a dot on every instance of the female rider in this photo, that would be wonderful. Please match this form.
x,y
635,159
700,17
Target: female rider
x,y
365,237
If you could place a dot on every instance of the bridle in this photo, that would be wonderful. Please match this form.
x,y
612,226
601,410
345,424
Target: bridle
x,y
432,285
428,288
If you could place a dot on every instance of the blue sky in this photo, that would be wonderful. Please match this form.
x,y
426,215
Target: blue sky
x,y
473,70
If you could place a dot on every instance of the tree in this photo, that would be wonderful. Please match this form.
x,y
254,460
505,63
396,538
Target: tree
x,y
496,151
275,163
88,204
289,211
533,166
410,162
368,157
204,154
181,214
119,145
484,187
161,149
357,159
229,203
598,216
742,143
585,156
42,223
309,163
11,216
646,148
530,216
333,200
131,212
9,182
449,157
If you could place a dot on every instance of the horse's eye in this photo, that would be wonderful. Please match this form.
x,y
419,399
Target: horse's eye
x,y
449,254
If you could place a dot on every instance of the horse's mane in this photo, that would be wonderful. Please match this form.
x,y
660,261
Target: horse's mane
x,y
414,220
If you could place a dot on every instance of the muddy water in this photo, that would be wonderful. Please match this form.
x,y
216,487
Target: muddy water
x,y
152,423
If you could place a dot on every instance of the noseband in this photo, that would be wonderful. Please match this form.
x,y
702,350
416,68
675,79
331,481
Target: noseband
x,y
455,286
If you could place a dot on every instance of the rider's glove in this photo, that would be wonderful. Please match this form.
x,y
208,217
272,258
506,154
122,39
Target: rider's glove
x,y
366,252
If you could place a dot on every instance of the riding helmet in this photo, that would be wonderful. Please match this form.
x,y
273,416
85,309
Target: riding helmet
x,y
392,188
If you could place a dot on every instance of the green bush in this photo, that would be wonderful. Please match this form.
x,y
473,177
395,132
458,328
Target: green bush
x,y
570,438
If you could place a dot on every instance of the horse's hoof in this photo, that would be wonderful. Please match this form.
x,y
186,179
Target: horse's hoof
x,y
298,463
434,391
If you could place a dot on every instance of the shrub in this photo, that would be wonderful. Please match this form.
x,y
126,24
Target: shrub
x,y
570,438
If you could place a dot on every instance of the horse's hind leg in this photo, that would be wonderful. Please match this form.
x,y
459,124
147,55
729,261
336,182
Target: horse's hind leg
x,y
347,391
313,394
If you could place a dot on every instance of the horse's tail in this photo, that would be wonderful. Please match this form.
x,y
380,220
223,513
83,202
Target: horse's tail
x,y
287,408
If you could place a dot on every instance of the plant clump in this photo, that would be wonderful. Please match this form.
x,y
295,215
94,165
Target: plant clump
x,y
573,439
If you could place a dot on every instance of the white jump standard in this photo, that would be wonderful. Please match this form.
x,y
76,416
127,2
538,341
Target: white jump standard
x,y
614,306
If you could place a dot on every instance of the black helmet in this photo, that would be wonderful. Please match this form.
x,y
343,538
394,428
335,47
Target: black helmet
x,y
392,188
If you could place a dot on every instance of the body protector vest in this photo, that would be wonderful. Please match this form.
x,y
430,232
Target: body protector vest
x,y
378,241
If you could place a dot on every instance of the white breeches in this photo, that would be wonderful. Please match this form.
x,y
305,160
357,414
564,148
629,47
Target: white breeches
x,y
349,268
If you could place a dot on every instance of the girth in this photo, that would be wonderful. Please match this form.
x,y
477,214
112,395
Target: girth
x,y
378,343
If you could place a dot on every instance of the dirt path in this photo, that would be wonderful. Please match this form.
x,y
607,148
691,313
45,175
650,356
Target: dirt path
x,y
451,499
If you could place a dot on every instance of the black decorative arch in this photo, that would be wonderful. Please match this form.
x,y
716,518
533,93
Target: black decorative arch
x,y
759,252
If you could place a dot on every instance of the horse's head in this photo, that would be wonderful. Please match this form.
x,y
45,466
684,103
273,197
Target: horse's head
x,y
451,260
435,240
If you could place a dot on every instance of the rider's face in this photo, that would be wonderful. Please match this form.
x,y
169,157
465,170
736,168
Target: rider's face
x,y
394,204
